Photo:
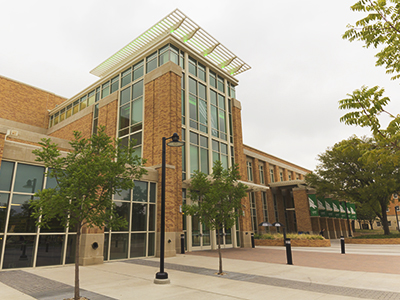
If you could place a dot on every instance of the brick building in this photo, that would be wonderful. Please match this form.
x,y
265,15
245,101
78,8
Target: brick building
x,y
175,77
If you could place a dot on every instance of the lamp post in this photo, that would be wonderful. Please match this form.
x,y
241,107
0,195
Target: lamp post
x,y
396,208
162,276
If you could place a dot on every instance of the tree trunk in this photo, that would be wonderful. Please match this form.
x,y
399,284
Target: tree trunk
x,y
372,224
359,223
219,252
77,244
385,225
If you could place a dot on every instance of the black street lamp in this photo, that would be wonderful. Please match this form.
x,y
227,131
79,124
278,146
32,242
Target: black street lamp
x,y
396,208
162,276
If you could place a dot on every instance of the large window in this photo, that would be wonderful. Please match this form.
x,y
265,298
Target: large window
x,y
23,240
261,171
218,115
220,152
271,174
198,153
131,115
138,207
253,212
198,105
249,170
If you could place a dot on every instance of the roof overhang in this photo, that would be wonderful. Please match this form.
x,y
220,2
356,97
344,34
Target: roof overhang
x,y
288,184
188,32
251,187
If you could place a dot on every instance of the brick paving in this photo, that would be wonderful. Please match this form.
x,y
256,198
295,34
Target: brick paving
x,y
277,282
42,288
347,262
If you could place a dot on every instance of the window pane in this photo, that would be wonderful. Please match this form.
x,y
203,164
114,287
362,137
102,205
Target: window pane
x,y
119,246
29,179
192,86
194,158
137,111
50,250
213,97
152,192
140,191
151,65
125,95
224,160
20,215
221,101
203,112
204,160
222,126
71,245
126,77
194,138
137,89
202,91
124,195
91,98
3,210
203,141
136,138
152,217
214,117
139,217
151,247
114,84
51,182
138,72
124,116
163,58
6,174
138,244
122,209
19,251
193,107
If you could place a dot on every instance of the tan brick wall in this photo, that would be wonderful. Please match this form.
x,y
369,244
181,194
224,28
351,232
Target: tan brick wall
x,y
83,125
107,117
162,118
26,104
302,210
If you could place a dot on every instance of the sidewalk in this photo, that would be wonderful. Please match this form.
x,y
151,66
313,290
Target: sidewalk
x,y
249,275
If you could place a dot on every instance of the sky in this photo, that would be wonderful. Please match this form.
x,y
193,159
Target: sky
x,y
300,65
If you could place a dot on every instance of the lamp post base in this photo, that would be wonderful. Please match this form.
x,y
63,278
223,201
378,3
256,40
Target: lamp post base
x,y
161,278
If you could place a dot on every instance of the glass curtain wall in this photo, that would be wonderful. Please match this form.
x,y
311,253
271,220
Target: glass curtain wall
x,y
138,207
22,243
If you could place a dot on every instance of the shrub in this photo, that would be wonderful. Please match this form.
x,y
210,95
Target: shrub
x,y
292,236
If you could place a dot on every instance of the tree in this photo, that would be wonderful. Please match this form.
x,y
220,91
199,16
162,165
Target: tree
x,y
87,177
379,29
216,200
365,213
358,170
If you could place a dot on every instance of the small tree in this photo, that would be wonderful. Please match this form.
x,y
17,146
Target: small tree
x,y
87,177
216,200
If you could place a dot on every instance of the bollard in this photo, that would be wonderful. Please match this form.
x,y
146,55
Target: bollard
x,y
288,252
252,241
182,244
342,244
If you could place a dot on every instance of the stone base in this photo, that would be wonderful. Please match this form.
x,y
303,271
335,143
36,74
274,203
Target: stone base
x,y
170,244
88,255
245,239
162,281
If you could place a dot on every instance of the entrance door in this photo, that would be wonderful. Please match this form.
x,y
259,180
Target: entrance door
x,y
200,235
226,238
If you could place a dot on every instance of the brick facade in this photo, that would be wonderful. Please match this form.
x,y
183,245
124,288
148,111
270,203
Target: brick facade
x,y
26,104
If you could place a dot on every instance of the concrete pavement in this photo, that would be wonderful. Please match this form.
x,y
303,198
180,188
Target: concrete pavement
x,y
249,275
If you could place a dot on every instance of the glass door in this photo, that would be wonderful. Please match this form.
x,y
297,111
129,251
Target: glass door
x,y
200,235
226,238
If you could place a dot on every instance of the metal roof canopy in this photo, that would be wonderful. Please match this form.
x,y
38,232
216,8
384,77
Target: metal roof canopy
x,y
180,26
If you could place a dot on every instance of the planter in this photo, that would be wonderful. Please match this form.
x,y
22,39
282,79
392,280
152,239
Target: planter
x,y
372,241
294,243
